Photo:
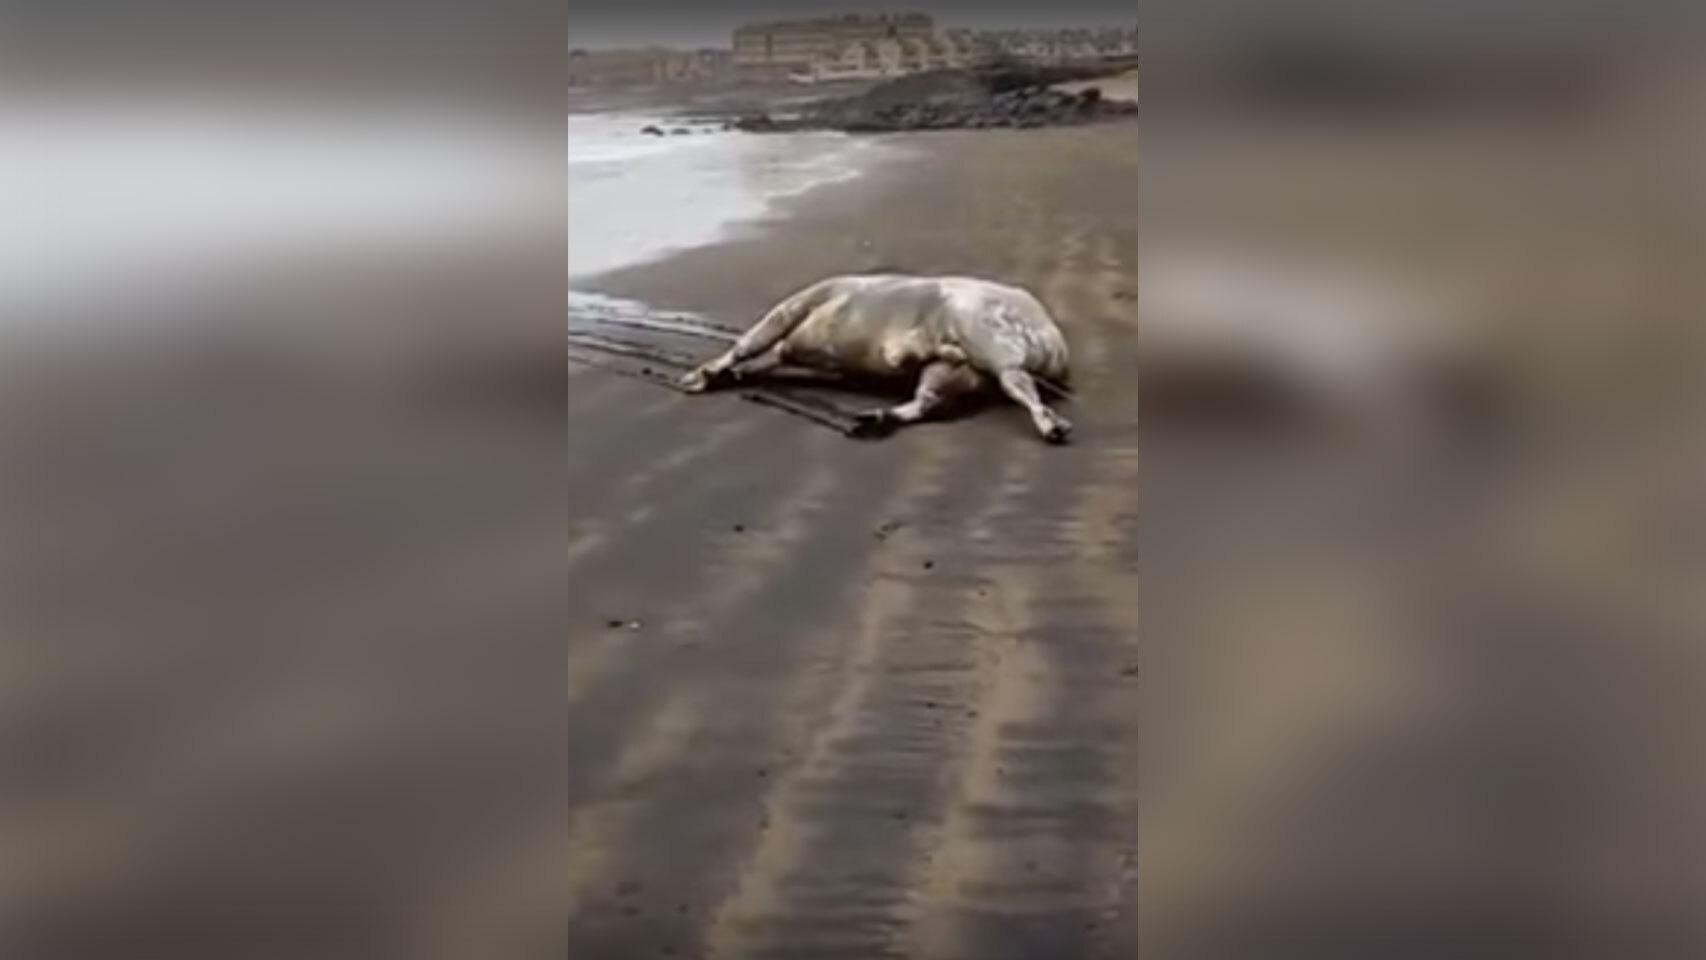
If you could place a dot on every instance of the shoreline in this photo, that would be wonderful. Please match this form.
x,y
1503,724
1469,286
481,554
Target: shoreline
x,y
683,101
644,198
931,220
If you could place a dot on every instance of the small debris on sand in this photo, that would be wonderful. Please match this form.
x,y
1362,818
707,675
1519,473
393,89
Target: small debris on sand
x,y
887,529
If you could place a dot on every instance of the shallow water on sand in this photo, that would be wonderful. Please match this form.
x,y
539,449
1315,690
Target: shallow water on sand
x,y
633,197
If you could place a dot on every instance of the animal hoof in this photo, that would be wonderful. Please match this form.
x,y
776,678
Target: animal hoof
x,y
694,381
1058,431
872,423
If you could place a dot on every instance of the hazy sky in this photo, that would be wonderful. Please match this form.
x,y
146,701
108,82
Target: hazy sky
x,y
622,23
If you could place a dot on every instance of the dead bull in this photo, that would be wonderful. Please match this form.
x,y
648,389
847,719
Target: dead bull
x,y
959,336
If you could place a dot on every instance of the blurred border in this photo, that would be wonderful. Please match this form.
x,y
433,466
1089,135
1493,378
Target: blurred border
x,y
1421,384
282,451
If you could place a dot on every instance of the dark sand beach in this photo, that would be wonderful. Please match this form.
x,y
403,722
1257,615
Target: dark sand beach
x,y
862,699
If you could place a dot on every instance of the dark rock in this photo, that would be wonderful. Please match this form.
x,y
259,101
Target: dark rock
x,y
1004,95
756,123
679,131
651,131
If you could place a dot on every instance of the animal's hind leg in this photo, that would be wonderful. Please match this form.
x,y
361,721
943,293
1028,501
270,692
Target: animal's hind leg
x,y
761,340
1018,384
939,384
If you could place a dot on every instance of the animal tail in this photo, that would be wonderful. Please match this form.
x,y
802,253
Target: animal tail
x,y
1059,389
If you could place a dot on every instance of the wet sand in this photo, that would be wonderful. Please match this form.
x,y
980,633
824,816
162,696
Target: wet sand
x,y
863,699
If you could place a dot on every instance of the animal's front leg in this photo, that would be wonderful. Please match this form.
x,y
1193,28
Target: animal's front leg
x,y
728,369
767,334
708,374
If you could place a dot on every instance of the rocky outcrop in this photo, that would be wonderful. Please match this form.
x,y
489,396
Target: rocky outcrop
x,y
950,99
759,123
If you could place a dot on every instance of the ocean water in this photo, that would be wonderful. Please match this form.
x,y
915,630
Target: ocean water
x,y
634,197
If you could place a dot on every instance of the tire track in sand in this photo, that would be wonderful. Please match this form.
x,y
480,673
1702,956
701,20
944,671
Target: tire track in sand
x,y
828,875
678,859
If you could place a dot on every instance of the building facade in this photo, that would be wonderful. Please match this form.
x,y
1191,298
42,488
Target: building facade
x,y
644,67
876,47
1063,46
892,57
797,47
852,47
